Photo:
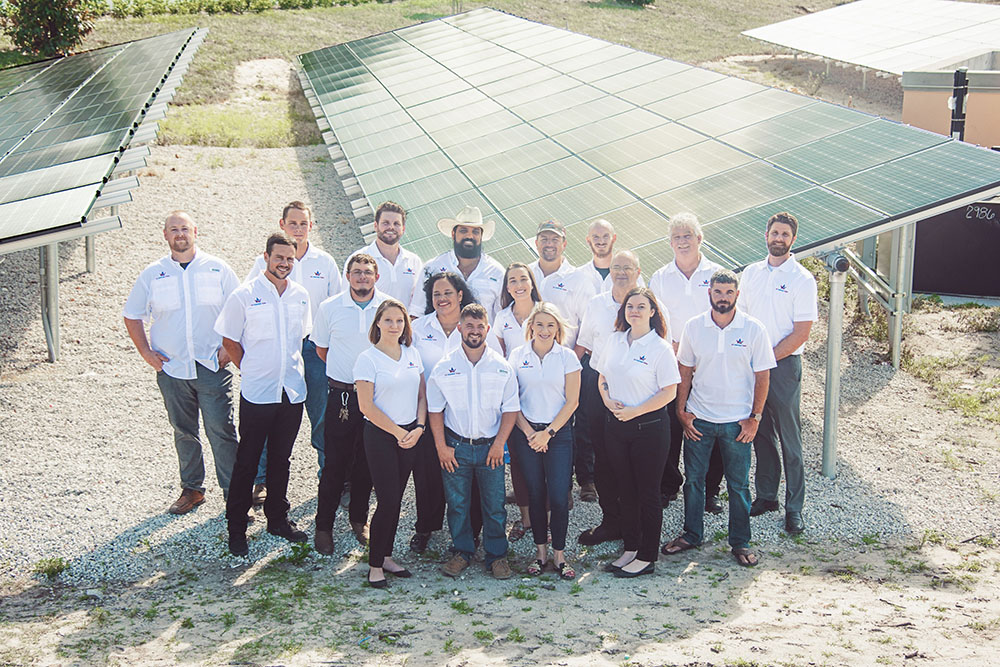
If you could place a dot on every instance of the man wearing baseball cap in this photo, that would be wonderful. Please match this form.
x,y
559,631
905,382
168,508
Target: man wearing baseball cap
x,y
482,273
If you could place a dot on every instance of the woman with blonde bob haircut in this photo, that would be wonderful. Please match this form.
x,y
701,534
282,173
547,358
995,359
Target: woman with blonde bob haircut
x,y
548,380
389,381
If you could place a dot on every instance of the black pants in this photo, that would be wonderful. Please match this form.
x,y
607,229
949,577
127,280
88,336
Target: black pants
x,y
345,459
583,446
390,466
604,476
672,480
637,450
277,424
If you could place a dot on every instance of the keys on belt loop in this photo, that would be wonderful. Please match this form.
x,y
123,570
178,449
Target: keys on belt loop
x,y
344,414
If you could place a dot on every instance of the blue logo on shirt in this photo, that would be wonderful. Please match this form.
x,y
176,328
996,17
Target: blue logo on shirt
x,y
561,286
257,301
452,371
782,288
705,283
506,325
317,274
430,336
526,364
739,343
412,365
408,272
162,275
641,360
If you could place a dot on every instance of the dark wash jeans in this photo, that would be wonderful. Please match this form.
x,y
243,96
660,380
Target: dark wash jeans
x,y
549,476
473,470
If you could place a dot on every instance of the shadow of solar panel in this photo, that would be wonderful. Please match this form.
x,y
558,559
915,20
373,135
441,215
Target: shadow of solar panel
x,y
812,122
679,168
822,215
641,147
923,179
582,202
724,194
855,149
539,182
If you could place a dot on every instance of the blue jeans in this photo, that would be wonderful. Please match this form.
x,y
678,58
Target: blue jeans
x,y
548,477
735,462
316,393
458,494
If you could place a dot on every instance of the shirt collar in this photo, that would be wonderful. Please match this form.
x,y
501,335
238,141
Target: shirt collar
x,y
787,265
738,322
174,262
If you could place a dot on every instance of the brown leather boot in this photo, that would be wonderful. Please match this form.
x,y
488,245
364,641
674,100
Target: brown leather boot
x,y
360,532
323,541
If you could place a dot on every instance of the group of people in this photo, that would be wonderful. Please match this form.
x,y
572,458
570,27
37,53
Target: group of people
x,y
443,369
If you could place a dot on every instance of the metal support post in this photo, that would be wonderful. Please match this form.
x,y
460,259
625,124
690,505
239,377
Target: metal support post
x,y
89,243
900,244
48,263
837,264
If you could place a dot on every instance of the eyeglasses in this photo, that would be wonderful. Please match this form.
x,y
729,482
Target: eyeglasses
x,y
623,269
362,274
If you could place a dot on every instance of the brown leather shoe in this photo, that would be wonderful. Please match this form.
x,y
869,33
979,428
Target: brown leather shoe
x,y
588,493
455,565
360,532
323,541
188,501
259,495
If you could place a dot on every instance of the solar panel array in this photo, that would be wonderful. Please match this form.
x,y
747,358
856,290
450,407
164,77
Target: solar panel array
x,y
65,123
530,122
892,35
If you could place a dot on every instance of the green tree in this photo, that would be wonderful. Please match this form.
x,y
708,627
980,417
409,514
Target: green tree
x,y
48,27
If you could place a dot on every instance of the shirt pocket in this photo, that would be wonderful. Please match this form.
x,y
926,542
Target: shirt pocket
x,y
260,325
455,390
165,294
294,314
492,389
208,288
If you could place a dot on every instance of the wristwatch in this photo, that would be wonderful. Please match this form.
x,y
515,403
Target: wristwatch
x,y
419,425
551,433
756,415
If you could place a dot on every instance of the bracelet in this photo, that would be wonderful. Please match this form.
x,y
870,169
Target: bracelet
x,y
419,425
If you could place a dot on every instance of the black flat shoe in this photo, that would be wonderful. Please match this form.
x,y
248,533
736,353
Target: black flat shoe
x,y
289,532
794,525
610,567
759,507
418,543
623,574
383,583
402,574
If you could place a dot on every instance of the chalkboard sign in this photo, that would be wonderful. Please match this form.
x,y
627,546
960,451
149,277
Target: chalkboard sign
x,y
959,252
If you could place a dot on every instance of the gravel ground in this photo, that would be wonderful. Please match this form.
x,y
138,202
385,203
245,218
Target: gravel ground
x,y
87,466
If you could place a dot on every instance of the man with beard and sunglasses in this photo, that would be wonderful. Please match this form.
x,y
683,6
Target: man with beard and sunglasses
x,y
262,326
181,294
398,268
472,405
724,359
482,273
781,293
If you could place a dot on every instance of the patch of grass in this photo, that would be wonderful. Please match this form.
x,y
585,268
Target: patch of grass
x,y
979,320
523,592
187,623
515,636
485,636
870,540
228,620
576,588
50,567
267,125
100,615
462,607
451,647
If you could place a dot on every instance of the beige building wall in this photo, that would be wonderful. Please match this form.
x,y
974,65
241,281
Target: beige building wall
x,y
925,104
927,110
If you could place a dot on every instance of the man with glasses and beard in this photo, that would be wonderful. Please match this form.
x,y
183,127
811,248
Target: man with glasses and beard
x,y
482,273
781,293
724,359
472,405
398,268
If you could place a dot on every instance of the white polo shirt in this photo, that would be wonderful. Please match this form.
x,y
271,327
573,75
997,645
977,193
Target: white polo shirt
x,y
430,340
398,280
317,271
724,362
779,297
683,297
569,290
598,324
183,305
397,383
270,328
485,281
505,327
472,398
635,372
598,282
541,383
342,327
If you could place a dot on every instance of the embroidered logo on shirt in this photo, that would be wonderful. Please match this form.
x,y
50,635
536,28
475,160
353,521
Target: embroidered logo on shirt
x,y
162,275
506,325
316,274
258,302
641,360
502,371
452,371
429,336
705,283
411,365
738,343
216,270
782,288
408,272
526,364
561,287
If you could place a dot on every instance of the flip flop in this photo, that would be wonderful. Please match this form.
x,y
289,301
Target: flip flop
x,y
745,557
536,568
676,546
566,571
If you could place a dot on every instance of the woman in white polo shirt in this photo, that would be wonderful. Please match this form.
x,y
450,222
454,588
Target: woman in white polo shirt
x,y
517,299
548,380
389,381
638,377
435,334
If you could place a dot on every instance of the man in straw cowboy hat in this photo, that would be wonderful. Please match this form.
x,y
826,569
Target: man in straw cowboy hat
x,y
483,274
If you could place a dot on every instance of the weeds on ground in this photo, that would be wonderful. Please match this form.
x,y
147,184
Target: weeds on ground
x,y
50,567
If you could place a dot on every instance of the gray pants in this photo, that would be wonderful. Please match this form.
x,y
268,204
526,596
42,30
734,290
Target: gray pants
x,y
781,422
212,393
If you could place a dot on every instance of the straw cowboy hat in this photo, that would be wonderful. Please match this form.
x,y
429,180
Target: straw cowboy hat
x,y
469,217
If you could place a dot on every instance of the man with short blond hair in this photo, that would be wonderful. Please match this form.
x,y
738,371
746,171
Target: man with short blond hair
x,y
181,295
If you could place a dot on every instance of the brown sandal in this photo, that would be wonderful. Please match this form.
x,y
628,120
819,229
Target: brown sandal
x,y
565,570
676,546
745,557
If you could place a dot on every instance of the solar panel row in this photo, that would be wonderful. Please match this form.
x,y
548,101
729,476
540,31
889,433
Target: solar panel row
x,y
65,122
530,122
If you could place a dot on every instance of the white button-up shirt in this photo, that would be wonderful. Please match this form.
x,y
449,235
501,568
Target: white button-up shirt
x,y
569,290
342,327
724,362
779,297
472,397
400,279
541,383
317,271
430,340
270,327
683,297
183,305
486,281
598,324
635,372
397,382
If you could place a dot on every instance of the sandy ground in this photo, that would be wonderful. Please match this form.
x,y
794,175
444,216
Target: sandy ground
x,y
924,591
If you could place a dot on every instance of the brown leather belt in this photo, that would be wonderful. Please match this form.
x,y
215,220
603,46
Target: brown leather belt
x,y
342,386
